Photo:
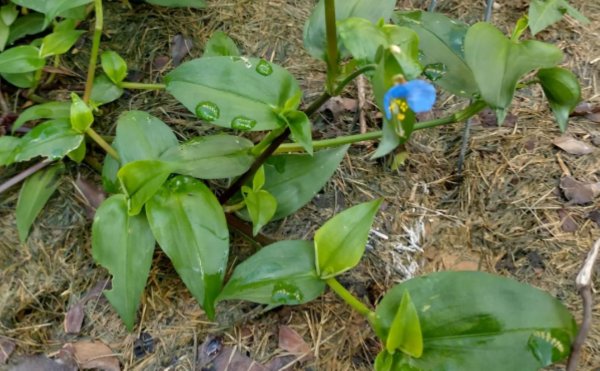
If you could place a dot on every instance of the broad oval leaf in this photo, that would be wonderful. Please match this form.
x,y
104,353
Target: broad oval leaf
x,y
29,24
52,8
543,13
340,242
114,66
220,45
140,180
189,225
562,91
50,110
295,179
52,139
211,157
124,245
197,4
34,194
234,92
301,129
498,63
279,274
104,91
21,59
59,42
441,41
314,30
21,80
477,321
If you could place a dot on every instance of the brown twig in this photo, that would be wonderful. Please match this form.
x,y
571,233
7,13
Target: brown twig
x,y
23,175
362,100
584,285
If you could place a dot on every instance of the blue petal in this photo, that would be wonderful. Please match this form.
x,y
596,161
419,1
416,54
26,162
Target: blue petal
x,y
421,95
395,92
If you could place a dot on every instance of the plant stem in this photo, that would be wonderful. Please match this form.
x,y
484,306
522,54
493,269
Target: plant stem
x,y
459,116
356,304
102,143
235,207
264,143
332,47
23,175
348,79
141,86
94,53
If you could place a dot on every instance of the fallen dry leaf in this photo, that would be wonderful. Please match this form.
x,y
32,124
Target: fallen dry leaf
x,y
74,319
567,223
595,117
180,48
572,145
93,194
579,193
43,363
339,105
93,354
7,346
160,62
459,263
292,342
594,216
488,119
585,108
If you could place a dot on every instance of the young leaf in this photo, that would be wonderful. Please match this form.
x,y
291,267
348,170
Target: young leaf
x,y
29,24
211,157
279,274
104,91
261,207
50,110
52,139
114,66
543,13
140,180
78,154
34,194
81,114
59,42
233,92
124,245
8,145
295,179
21,59
197,4
258,181
301,129
189,225
340,242
220,45
405,330
498,63
488,322
562,91
8,14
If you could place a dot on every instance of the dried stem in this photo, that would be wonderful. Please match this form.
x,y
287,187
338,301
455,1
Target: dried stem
x,y
23,175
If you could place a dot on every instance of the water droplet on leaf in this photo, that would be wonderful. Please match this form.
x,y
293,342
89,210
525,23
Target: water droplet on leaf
x,y
264,68
435,71
243,123
207,111
287,294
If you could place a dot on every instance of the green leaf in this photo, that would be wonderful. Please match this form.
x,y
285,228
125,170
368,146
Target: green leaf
x,y
314,30
441,41
51,8
21,59
114,66
301,129
140,180
562,91
189,225
110,168
124,245
197,4
543,13
34,194
8,14
4,32
234,92
50,110
296,178
405,330
29,24
261,207
219,45
81,115
477,321
7,146
78,154
59,42
21,80
52,139
258,181
211,157
279,274
104,91
498,63
340,242
362,38
65,25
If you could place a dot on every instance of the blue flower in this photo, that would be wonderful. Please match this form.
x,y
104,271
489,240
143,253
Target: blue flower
x,y
418,95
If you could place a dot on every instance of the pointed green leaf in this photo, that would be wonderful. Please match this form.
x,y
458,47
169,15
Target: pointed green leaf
x,y
211,157
4,32
279,274
8,14
110,169
301,129
78,154
485,322
81,115
562,91
34,194
52,139
258,181
8,145
234,92
114,66
29,24
340,242
405,330
124,245
51,8
219,45
104,91
59,42
197,4
261,207
543,13
50,110
189,225
140,180
21,59
21,80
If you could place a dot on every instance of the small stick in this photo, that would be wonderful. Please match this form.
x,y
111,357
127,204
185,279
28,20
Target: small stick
x,y
23,175
584,285
432,6
362,98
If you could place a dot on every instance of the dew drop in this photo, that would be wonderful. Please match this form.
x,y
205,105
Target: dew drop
x,y
435,71
264,68
207,111
243,123
287,294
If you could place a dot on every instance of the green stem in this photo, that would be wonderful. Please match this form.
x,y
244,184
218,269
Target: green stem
x,y
332,47
102,143
356,304
141,86
348,79
459,116
94,53
235,207
266,141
